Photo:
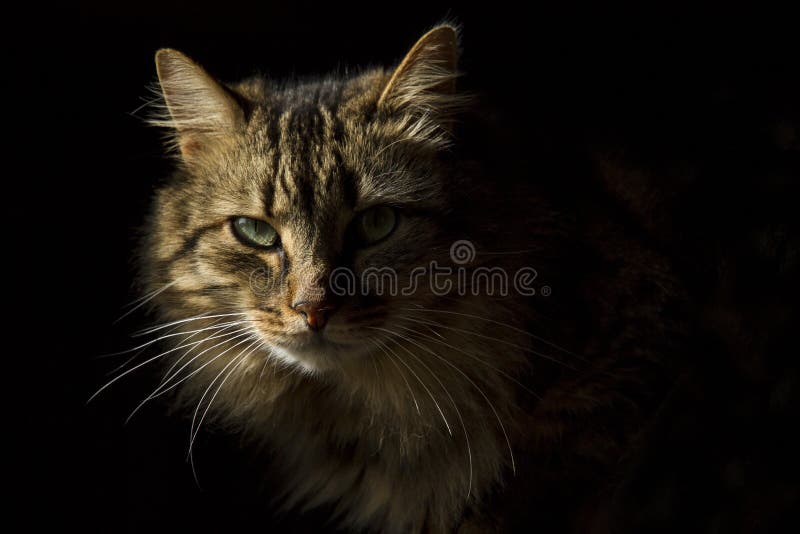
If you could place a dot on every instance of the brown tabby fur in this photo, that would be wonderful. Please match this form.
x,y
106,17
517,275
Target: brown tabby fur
x,y
408,413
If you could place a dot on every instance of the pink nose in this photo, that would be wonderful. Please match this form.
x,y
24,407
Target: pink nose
x,y
315,313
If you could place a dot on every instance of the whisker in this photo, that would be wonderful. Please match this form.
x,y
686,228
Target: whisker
x,y
241,333
452,400
499,340
152,329
434,332
474,357
132,369
400,372
160,391
126,362
500,323
266,361
192,431
190,455
146,295
219,333
485,397
425,387
144,300
129,360
160,338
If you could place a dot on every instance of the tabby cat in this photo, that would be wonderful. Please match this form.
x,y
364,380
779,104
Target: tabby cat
x,y
399,411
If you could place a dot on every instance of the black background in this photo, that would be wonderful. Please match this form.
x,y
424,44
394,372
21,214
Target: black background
x,y
677,85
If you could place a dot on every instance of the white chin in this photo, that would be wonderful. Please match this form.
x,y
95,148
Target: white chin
x,y
305,361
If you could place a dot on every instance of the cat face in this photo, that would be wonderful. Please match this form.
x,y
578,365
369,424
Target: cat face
x,y
283,191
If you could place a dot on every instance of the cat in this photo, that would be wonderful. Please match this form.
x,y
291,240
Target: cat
x,y
400,411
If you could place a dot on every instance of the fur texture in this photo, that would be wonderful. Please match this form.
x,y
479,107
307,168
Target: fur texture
x,y
405,412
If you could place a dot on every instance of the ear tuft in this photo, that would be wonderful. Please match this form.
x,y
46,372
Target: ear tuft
x,y
425,79
198,107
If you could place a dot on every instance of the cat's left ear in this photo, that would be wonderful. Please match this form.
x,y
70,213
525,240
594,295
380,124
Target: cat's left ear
x,y
201,110
424,82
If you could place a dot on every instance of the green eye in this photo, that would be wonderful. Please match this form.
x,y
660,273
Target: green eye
x,y
254,232
375,224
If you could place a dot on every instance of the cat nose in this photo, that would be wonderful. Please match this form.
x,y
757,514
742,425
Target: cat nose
x,y
315,313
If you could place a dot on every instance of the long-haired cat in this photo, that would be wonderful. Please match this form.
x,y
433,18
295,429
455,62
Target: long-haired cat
x,y
414,407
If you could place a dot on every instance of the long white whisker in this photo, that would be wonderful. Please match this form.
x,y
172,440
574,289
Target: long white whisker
x,y
425,387
241,357
400,372
165,336
145,300
160,390
152,329
485,397
244,332
503,341
476,358
124,364
219,333
192,435
147,295
499,323
447,392
132,369
129,360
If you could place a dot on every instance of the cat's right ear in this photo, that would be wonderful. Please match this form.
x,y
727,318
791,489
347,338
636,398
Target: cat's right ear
x,y
199,109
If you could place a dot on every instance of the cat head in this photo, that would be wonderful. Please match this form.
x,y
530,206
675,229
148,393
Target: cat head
x,y
281,187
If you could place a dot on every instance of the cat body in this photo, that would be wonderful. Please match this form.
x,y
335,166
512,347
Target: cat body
x,y
403,411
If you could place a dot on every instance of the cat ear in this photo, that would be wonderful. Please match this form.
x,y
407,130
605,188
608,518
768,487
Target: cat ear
x,y
199,108
424,82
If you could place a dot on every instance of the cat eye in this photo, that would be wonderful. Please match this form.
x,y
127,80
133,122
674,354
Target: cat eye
x,y
254,232
375,224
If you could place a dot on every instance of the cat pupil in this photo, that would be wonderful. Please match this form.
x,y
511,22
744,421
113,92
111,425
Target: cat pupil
x,y
255,232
